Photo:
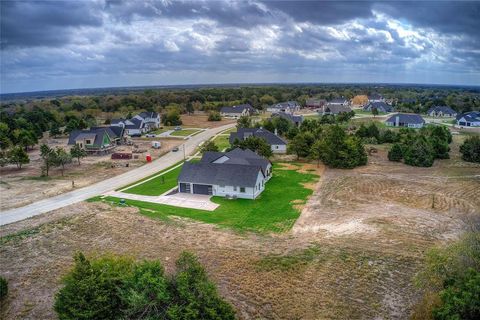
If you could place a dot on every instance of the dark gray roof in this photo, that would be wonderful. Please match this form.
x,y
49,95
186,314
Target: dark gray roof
x,y
117,130
96,133
375,96
117,121
443,109
137,124
237,109
290,117
148,114
336,109
338,100
243,133
211,156
237,156
407,118
219,174
380,106
472,116
108,130
285,104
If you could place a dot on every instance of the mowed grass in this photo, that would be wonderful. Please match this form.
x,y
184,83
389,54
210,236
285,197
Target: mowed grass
x,y
273,211
184,132
158,185
222,142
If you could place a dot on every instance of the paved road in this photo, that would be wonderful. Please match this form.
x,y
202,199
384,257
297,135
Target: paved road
x,y
66,199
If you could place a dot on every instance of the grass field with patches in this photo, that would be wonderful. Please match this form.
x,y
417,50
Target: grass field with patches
x,y
222,142
184,132
158,185
273,211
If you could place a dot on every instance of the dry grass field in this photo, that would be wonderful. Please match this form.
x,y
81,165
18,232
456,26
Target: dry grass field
x,y
352,254
201,121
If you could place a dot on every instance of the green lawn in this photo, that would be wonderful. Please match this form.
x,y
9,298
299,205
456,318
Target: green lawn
x,y
228,131
222,142
368,113
184,132
164,129
158,185
273,211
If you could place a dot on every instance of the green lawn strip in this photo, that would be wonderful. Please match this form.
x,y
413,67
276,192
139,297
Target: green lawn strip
x,y
222,142
158,185
273,211
228,131
150,176
184,132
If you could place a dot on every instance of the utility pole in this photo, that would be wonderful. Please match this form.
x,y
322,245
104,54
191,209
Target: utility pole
x,y
184,156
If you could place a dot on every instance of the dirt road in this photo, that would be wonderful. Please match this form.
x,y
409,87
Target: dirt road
x,y
113,183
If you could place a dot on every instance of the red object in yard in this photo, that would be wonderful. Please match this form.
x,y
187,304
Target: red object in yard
x,y
120,156
149,158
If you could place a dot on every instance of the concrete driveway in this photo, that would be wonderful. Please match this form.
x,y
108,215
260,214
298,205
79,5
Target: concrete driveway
x,y
183,200
66,199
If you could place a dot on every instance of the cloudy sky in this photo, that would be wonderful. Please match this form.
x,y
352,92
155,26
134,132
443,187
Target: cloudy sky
x,y
102,43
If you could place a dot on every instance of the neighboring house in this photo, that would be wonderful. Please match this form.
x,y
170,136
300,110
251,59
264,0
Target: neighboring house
x,y
315,103
408,120
376,97
277,144
288,107
441,111
116,133
380,106
95,140
334,109
237,111
296,120
469,119
117,122
235,174
151,119
339,102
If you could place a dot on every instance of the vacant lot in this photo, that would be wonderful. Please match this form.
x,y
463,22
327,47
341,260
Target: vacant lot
x,y
351,254
184,132
200,120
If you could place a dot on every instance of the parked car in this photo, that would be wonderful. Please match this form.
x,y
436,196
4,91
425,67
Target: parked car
x,y
156,145
178,128
175,149
150,135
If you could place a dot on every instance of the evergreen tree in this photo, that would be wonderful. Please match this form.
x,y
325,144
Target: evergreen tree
x,y
395,153
419,153
470,149
209,146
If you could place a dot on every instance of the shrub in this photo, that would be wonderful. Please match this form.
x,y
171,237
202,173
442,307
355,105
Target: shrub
x,y
370,140
470,149
419,153
3,288
395,153
214,116
208,146
440,148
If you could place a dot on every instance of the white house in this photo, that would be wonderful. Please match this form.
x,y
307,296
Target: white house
x,y
151,119
405,120
235,174
376,97
287,107
469,119
441,111
277,144
237,111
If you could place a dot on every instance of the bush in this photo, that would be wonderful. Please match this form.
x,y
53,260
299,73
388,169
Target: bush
x,y
208,146
3,288
214,116
172,118
419,153
115,287
395,153
370,140
470,149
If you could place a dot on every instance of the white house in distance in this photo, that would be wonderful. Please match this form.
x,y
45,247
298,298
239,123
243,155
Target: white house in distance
x,y
287,107
339,102
469,119
408,120
277,144
133,127
237,111
150,118
376,97
235,174
441,111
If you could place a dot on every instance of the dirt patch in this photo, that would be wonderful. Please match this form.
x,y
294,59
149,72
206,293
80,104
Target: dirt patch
x,y
201,121
351,254
22,187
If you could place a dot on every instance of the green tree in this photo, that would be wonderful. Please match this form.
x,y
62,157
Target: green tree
x,y
78,153
146,292
91,289
362,131
470,149
18,156
373,131
281,124
172,118
62,158
209,146
301,144
55,130
48,156
395,153
440,148
214,116
194,296
419,152
244,122
375,112
256,144
72,124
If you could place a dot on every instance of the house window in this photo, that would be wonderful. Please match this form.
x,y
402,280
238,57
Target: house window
x,y
234,188
242,189
276,147
88,141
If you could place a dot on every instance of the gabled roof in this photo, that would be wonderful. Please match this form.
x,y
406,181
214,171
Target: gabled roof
x,y
375,96
338,100
108,130
285,104
118,131
219,174
148,114
443,109
243,133
336,109
289,117
136,124
96,133
406,118
378,106
117,121
472,116
237,109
